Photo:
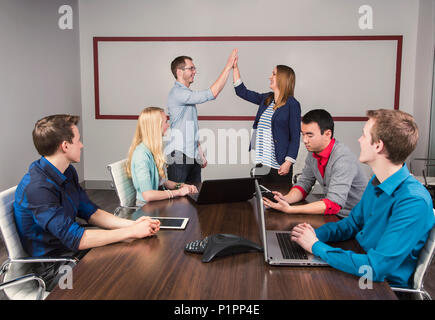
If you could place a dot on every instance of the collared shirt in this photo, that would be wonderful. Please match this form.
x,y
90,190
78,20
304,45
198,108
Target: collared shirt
x,y
183,118
391,223
46,205
322,160
323,157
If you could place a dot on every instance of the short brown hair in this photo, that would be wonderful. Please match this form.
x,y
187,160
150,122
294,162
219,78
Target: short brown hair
x,y
51,131
179,63
397,130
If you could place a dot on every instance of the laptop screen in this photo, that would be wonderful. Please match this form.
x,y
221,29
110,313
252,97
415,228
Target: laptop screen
x,y
259,215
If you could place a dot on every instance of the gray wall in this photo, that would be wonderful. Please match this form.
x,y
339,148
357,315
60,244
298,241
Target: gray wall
x,y
45,70
423,80
107,141
40,75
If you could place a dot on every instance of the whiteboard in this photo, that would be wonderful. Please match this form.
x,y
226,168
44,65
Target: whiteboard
x,y
344,75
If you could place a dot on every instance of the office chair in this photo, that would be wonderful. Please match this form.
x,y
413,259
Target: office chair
x,y
300,162
423,263
123,185
17,280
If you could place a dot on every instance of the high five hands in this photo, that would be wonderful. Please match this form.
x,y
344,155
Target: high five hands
x,y
232,59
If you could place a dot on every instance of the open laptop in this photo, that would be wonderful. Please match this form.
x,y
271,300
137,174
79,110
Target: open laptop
x,y
278,248
224,190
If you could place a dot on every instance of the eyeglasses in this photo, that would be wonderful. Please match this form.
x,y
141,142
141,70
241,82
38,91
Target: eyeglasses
x,y
193,68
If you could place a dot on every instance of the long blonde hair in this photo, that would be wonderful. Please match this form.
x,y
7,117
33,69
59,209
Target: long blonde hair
x,y
149,131
286,79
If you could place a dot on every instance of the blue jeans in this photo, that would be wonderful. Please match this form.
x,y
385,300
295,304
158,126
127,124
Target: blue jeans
x,y
183,169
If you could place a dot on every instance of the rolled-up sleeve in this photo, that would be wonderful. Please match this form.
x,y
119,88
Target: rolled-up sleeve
x,y
64,228
86,207
307,179
50,215
183,96
331,207
342,176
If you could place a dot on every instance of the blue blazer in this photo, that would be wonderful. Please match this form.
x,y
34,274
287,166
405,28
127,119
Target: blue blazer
x,y
286,122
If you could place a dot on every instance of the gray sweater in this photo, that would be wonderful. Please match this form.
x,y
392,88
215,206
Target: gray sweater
x,y
344,181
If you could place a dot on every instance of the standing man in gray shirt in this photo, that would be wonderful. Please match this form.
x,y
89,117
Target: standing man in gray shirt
x,y
185,156
329,162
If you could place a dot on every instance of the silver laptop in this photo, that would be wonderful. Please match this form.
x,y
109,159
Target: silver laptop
x,y
278,247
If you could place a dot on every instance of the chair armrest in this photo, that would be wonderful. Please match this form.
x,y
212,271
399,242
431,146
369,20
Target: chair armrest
x,y
424,293
407,290
23,279
45,259
6,264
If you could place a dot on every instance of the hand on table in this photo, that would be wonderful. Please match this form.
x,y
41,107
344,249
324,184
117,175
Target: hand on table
x,y
145,226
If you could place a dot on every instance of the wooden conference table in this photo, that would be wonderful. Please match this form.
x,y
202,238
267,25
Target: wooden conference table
x,y
158,267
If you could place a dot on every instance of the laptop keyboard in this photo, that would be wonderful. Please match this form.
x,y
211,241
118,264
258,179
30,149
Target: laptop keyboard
x,y
290,249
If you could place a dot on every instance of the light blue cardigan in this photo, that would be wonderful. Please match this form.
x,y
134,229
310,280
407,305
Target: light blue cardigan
x,y
144,171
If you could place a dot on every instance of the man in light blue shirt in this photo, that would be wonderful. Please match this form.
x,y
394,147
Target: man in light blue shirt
x,y
185,157
395,215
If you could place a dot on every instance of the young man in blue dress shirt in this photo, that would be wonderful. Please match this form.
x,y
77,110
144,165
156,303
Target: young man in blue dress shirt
x,y
395,215
49,198
184,153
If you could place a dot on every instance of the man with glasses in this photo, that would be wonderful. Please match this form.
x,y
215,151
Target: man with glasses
x,y
185,157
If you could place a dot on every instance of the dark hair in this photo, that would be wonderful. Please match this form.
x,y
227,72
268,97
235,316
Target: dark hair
x,y
51,131
179,63
397,130
322,118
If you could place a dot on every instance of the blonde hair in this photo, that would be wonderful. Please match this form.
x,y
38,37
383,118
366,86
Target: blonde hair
x,y
149,132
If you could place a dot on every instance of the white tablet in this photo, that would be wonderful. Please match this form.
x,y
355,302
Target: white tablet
x,y
172,222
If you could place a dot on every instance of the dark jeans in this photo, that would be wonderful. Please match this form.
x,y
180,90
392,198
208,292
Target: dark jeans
x,y
49,271
183,169
267,174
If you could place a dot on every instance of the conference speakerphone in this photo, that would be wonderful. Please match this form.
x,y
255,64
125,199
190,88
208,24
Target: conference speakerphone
x,y
221,244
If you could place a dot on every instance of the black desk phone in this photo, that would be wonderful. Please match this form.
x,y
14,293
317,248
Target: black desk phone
x,y
221,244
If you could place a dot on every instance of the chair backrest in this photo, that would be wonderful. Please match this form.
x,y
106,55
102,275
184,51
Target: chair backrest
x,y
24,291
123,184
7,224
300,161
424,260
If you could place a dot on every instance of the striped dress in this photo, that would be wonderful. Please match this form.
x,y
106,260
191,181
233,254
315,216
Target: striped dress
x,y
265,148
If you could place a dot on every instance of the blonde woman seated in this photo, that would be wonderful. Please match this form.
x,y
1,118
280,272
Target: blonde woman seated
x,y
146,161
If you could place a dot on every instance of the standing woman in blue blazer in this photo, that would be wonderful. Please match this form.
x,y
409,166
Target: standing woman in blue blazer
x,y
277,123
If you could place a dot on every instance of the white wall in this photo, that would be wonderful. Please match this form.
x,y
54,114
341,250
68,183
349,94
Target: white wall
x,y
108,140
423,79
39,76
